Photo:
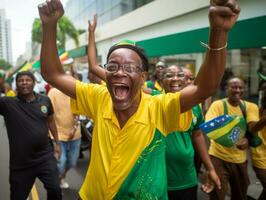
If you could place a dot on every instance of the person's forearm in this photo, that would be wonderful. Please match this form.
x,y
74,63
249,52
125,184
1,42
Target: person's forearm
x,y
52,127
202,149
254,127
50,63
213,65
92,58
53,130
55,136
51,68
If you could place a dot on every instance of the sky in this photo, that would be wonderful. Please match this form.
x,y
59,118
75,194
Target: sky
x,y
22,14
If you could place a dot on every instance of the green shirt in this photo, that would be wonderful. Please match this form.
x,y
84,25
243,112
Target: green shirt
x,y
181,172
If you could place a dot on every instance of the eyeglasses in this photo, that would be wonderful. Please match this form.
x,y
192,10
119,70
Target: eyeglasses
x,y
171,75
128,68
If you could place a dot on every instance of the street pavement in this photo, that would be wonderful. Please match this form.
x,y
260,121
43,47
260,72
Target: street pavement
x,y
75,176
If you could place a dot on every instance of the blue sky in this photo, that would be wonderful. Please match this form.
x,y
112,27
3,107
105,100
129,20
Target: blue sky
x,y
21,13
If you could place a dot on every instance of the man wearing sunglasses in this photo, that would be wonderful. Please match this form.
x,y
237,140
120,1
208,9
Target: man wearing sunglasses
x,y
128,148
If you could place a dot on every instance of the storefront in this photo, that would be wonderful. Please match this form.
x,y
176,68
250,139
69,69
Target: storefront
x,y
246,51
174,37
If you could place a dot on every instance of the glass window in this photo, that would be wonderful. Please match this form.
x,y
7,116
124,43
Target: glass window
x,y
116,11
74,8
107,4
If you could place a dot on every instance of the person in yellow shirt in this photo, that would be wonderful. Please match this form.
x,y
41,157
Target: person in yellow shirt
x,y
69,135
128,145
231,163
258,154
156,82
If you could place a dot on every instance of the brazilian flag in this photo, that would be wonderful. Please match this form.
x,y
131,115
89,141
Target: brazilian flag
x,y
226,130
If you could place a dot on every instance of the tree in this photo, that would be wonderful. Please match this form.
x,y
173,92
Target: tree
x,y
64,28
4,65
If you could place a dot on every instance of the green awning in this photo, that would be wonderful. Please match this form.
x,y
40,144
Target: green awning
x,y
78,52
250,33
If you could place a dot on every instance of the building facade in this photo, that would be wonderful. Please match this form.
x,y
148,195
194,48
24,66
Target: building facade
x,y
171,30
107,10
5,37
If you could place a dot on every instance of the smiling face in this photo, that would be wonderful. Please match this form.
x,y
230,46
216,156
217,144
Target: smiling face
x,y
159,68
25,85
235,90
173,79
124,87
189,77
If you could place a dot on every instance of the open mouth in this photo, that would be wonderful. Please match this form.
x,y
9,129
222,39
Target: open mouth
x,y
176,86
121,91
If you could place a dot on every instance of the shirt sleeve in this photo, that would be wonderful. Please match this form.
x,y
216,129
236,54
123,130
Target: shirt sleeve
x,y
215,110
50,107
88,98
252,112
200,118
167,113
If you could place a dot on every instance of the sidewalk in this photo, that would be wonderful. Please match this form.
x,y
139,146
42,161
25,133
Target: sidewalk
x,y
75,178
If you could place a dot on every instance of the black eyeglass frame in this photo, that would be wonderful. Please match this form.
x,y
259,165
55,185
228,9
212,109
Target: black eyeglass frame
x,y
131,67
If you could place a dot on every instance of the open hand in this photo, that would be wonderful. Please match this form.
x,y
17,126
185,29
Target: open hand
x,y
223,14
93,24
212,180
50,11
242,144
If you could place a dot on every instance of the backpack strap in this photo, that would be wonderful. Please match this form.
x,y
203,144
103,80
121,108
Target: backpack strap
x,y
225,107
243,109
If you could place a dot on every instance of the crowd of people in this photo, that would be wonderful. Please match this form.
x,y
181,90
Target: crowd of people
x,y
147,142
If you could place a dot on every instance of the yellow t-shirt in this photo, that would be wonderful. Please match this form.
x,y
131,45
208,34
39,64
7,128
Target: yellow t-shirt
x,y
258,154
115,150
233,154
64,118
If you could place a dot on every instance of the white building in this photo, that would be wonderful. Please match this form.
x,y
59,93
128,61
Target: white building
x,y
5,37
172,30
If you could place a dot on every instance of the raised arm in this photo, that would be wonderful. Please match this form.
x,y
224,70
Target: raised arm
x,y
51,68
92,57
222,16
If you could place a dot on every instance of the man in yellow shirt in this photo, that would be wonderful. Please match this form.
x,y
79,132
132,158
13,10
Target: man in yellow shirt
x,y
128,147
231,163
258,154
156,83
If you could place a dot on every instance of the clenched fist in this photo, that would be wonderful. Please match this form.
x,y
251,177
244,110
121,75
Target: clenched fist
x,y
50,11
223,14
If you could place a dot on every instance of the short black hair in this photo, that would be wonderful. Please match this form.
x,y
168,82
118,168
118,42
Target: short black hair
x,y
233,77
25,73
129,44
